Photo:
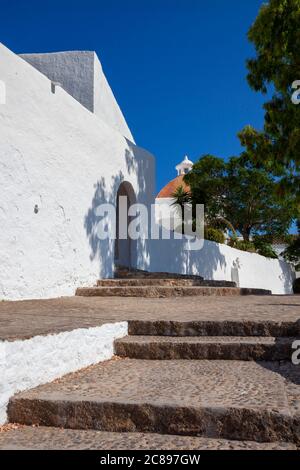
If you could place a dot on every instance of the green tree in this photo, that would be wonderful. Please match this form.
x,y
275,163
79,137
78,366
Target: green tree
x,y
181,197
240,196
292,252
206,170
275,35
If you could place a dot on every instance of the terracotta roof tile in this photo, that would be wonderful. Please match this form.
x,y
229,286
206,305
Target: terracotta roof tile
x,y
171,187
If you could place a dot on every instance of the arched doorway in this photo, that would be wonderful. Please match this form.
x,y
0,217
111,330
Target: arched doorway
x,y
125,248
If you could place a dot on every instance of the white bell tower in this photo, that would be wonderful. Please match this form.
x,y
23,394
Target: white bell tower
x,y
184,167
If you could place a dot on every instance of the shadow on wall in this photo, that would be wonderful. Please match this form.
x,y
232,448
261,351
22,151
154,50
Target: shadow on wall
x,y
220,262
170,255
102,250
209,260
140,168
287,276
137,166
106,192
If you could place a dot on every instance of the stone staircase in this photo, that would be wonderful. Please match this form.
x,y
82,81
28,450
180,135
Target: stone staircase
x,y
136,283
174,385
214,348
122,272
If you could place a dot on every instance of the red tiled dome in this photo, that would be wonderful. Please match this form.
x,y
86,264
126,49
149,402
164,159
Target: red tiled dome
x,y
171,187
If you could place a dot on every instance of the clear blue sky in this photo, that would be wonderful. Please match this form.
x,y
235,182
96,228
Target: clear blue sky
x,y
177,67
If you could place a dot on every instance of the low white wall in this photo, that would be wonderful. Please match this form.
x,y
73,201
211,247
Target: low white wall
x,y
221,262
41,359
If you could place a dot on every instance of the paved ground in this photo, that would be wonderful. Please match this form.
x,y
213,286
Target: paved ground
x,y
110,405
219,399
53,438
176,382
21,320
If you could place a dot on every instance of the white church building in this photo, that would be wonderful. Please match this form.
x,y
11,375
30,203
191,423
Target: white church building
x,y
65,148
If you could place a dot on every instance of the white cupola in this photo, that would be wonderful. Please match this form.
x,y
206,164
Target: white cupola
x,y
185,166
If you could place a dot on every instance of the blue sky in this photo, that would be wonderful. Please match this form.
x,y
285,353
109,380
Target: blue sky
x,y
177,67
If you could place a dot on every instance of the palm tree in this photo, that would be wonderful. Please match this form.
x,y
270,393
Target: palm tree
x,y
181,197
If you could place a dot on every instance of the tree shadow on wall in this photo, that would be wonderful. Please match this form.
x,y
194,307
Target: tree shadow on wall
x,y
138,164
287,276
171,256
102,250
208,260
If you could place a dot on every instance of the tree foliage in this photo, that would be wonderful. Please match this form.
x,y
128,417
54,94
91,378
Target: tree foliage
x,y
292,252
240,196
275,35
181,197
214,235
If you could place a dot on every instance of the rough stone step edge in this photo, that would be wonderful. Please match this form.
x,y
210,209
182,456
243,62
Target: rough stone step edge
x,y
46,438
208,350
123,272
166,292
171,282
42,359
234,423
213,328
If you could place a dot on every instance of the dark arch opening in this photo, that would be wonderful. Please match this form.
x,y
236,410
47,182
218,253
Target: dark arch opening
x,y
125,249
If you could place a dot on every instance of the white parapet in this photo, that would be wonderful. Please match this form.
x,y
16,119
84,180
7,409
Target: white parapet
x,y
220,262
81,75
41,359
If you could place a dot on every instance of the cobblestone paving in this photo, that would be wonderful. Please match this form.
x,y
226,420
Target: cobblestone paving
x,y
203,383
291,374
182,400
220,399
21,320
43,438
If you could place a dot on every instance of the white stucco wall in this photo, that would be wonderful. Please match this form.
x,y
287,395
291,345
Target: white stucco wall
x,y
221,262
74,70
80,74
105,104
58,161
41,359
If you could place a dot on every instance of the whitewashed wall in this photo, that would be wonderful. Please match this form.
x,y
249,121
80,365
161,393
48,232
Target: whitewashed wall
x,y
221,262
58,161
80,74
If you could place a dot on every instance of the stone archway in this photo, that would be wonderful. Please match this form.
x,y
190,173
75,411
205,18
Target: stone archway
x,y
125,249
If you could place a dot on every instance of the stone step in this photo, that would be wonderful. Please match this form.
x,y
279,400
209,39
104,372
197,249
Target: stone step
x,y
214,399
124,273
205,347
162,291
46,438
163,282
212,327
